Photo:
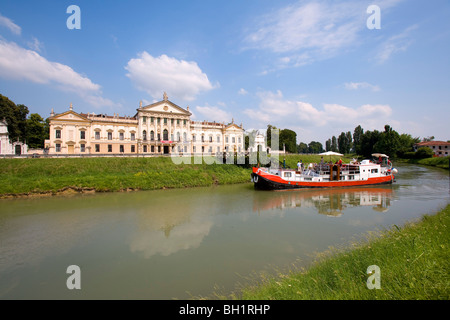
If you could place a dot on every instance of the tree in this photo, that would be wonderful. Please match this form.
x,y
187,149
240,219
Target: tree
x,y
349,142
333,144
315,147
15,116
357,136
328,145
406,144
36,131
388,142
368,141
343,143
302,148
288,139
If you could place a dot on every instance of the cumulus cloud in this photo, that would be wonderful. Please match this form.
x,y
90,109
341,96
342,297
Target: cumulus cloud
x,y
18,63
242,92
8,23
273,108
154,75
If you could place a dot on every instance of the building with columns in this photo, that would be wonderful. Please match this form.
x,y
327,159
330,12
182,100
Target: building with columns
x,y
159,128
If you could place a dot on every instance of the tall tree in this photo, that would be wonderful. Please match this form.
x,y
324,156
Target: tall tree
x,y
315,147
302,148
328,145
15,116
36,131
288,138
388,142
334,146
357,136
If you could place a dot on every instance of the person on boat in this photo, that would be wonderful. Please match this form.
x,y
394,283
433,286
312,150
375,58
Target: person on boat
x,y
299,166
339,162
284,163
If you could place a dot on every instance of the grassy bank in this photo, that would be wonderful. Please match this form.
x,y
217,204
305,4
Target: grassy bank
x,y
441,162
413,261
34,176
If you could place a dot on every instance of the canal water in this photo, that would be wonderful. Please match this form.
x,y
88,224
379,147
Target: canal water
x,y
189,243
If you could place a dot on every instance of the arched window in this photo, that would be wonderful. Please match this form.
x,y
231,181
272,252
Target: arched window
x,y
144,135
165,135
178,137
184,137
152,135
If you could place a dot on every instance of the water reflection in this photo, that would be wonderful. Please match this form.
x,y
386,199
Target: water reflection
x,y
330,202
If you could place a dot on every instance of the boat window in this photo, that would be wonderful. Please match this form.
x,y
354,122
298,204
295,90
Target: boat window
x,y
288,174
374,171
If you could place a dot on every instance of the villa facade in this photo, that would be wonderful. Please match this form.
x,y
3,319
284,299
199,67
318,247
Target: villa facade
x,y
159,128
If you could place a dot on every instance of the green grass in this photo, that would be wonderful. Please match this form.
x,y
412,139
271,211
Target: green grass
x,y
24,176
440,162
413,261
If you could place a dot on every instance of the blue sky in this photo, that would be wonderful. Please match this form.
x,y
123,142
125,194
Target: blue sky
x,y
310,66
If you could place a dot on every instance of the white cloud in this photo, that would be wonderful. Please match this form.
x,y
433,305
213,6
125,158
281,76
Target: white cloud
x,y
304,32
274,109
213,113
8,23
155,75
18,63
361,85
395,44
35,44
242,92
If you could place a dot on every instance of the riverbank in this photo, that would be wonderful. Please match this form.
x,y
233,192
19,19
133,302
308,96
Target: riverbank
x,y
54,176
440,162
413,262
41,177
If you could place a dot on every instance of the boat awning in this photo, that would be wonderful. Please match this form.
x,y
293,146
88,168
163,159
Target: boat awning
x,y
377,155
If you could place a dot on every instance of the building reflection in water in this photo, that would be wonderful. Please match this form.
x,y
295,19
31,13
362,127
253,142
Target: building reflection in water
x,y
330,202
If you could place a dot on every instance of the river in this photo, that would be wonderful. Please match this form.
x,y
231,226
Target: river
x,y
189,243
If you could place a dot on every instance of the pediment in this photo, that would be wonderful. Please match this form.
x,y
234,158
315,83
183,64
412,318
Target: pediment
x,y
165,107
69,116
233,126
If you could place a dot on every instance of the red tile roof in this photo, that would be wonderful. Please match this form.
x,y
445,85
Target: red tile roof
x,y
433,143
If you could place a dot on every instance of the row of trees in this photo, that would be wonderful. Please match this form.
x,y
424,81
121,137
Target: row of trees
x,y
365,143
32,130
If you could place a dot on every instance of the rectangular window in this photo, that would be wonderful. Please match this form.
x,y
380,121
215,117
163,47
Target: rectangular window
x,y
193,149
226,139
82,135
82,147
109,147
121,148
58,134
145,148
58,147
133,136
121,136
233,140
158,120
97,148
165,120
144,119
171,121
152,149
152,120
97,135
133,149
109,135
184,122
218,138
178,122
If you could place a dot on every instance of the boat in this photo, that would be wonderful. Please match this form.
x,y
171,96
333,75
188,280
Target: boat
x,y
377,171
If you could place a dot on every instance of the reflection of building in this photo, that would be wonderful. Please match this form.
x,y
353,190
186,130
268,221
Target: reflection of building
x,y
440,148
159,128
6,147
